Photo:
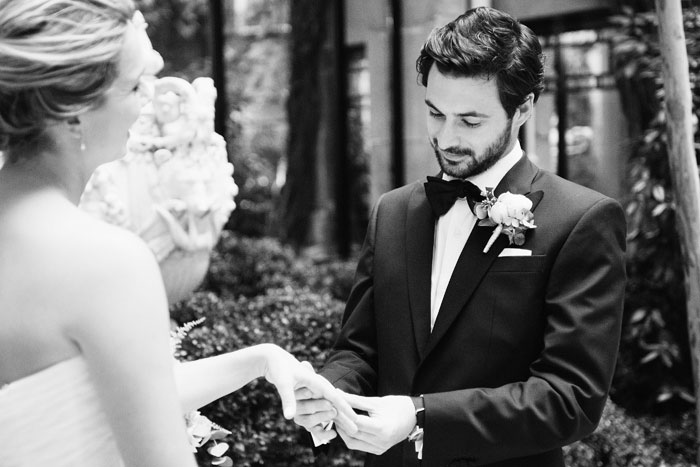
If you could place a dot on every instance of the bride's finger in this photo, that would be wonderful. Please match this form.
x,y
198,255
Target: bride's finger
x,y
285,388
346,415
303,393
308,365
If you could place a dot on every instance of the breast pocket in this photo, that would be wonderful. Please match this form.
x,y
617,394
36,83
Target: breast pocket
x,y
534,263
515,287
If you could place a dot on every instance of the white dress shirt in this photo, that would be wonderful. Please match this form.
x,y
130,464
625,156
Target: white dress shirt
x,y
453,229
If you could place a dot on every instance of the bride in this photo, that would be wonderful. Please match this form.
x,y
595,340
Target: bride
x,y
86,375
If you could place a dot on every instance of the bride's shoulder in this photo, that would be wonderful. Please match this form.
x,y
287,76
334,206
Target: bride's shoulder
x,y
74,232
77,249
74,267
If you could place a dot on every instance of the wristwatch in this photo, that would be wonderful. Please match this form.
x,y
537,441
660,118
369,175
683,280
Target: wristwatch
x,y
417,433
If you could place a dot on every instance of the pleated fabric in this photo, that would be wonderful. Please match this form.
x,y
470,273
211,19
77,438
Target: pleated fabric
x,y
54,417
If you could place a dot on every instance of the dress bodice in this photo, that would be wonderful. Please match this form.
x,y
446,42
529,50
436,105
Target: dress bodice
x,y
54,417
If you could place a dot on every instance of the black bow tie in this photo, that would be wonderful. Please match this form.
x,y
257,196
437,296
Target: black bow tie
x,y
442,194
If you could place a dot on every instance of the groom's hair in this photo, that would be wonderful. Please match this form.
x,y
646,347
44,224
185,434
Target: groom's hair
x,y
57,59
485,42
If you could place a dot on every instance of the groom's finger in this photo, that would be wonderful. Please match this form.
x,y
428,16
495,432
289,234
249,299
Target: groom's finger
x,y
359,402
346,416
352,441
367,427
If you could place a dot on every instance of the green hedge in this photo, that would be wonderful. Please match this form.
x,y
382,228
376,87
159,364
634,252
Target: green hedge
x,y
301,321
258,291
251,266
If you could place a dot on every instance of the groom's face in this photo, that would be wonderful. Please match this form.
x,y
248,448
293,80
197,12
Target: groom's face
x,y
468,127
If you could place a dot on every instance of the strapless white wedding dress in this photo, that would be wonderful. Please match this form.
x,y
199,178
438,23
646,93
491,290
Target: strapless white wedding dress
x,y
54,417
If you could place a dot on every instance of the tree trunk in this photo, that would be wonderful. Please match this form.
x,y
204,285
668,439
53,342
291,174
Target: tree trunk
x,y
303,107
684,167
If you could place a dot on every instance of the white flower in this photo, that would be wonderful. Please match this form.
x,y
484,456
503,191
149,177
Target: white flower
x,y
509,213
510,209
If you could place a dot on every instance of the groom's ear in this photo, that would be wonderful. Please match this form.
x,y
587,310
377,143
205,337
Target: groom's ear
x,y
524,111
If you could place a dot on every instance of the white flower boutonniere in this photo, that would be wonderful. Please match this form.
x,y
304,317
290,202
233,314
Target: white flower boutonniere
x,y
509,213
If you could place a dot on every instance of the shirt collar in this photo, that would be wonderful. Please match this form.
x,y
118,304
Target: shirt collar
x,y
492,176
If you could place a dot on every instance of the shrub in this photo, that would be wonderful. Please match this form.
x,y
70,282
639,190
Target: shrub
x,y
300,321
654,369
247,266
619,441
250,266
625,441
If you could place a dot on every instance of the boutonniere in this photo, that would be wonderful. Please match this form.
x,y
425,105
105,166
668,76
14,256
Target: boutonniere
x,y
509,213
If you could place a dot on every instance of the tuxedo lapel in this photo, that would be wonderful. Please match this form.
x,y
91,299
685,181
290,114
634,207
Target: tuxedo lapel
x,y
473,262
420,233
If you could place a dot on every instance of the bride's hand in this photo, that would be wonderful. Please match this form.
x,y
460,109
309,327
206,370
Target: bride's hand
x,y
288,374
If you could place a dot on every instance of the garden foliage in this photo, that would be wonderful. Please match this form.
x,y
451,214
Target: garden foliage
x,y
654,372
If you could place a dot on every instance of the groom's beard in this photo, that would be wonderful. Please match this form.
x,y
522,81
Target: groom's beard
x,y
470,164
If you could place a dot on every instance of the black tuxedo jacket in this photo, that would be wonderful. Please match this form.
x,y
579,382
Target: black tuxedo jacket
x,y
522,354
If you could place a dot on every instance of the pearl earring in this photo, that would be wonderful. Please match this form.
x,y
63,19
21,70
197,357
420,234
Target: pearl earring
x,y
77,131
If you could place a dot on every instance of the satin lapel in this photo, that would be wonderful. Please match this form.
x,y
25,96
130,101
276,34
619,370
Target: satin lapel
x,y
473,262
420,233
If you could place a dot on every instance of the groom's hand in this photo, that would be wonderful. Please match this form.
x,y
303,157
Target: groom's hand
x,y
290,375
315,414
320,403
389,420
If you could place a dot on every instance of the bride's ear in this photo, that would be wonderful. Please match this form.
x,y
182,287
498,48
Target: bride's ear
x,y
76,130
73,124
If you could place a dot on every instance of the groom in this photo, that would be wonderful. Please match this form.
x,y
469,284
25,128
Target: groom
x,y
474,357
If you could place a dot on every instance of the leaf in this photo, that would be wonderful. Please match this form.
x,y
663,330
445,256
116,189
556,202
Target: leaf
x,y
649,357
666,359
659,193
639,186
219,434
218,449
686,396
650,136
638,315
659,209
223,462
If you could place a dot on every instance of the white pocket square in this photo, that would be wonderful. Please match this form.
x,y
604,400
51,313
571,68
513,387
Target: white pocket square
x,y
515,252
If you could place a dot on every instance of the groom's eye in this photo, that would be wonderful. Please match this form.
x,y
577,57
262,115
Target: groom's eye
x,y
471,123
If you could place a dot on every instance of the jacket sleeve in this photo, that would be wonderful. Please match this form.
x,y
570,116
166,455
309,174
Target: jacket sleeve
x,y
563,397
352,364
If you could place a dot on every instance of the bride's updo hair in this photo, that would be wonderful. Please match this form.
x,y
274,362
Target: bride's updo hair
x,y
57,59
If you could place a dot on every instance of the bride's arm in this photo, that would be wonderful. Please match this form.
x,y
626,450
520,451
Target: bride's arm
x,y
121,325
203,381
